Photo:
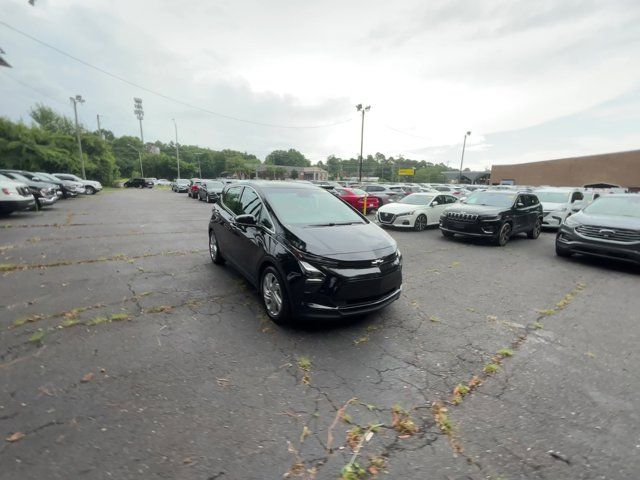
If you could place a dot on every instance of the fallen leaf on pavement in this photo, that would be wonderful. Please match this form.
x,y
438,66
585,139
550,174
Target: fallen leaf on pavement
x,y
15,437
87,377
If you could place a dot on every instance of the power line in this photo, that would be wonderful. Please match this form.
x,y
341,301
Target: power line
x,y
20,82
162,95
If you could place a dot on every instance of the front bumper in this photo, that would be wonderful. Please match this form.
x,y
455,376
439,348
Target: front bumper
x,y
571,242
50,200
17,205
480,229
391,220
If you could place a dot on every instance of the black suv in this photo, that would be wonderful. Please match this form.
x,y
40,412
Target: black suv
x,y
308,253
139,183
495,215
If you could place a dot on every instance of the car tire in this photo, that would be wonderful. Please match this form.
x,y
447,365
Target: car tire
x,y
421,223
562,251
535,231
504,234
214,249
90,191
274,296
446,234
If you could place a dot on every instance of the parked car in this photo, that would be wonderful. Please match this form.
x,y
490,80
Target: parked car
x,y
494,215
180,185
194,188
309,254
91,187
609,228
382,192
210,190
65,188
357,198
416,211
44,193
14,196
557,204
70,188
162,181
138,183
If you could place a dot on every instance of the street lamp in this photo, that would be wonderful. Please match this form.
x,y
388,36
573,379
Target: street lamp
x,y
139,111
75,100
362,109
464,144
175,124
140,157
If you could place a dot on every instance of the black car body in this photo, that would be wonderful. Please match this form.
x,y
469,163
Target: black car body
x,y
609,228
494,215
139,183
210,190
300,244
44,193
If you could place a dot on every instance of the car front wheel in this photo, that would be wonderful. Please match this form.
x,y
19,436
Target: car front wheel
x,y
90,190
503,235
420,223
214,249
274,296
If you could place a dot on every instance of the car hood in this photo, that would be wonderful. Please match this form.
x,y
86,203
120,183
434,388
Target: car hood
x,y
552,206
364,241
396,208
93,183
607,221
475,209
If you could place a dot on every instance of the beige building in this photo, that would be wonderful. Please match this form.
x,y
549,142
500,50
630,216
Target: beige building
x,y
620,168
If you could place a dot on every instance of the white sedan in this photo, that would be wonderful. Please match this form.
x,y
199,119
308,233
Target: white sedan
x,y
416,211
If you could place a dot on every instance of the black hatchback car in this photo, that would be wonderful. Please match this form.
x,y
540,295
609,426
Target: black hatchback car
x,y
495,215
609,228
308,253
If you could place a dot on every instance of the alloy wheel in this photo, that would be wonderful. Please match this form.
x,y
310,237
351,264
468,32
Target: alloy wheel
x,y
421,223
505,233
213,247
272,294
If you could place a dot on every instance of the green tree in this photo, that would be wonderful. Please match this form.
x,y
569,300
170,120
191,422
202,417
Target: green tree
x,y
49,120
290,158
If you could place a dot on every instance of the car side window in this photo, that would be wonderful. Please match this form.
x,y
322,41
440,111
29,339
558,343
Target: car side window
x,y
576,196
520,201
231,200
440,199
533,199
251,204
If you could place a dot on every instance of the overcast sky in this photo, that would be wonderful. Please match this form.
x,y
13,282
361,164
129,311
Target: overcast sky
x,y
531,80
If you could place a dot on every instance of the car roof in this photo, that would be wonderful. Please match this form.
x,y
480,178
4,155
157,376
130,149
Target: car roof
x,y
271,185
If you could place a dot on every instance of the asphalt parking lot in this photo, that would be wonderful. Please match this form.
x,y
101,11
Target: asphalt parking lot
x,y
125,353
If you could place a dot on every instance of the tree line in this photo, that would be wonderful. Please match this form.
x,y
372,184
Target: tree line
x,y
49,144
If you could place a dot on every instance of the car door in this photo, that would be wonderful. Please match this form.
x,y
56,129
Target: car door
x,y
249,240
230,207
522,217
435,211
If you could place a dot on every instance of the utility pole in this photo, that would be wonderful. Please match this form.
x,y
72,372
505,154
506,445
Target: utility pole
x,y
464,144
197,155
140,157
139,111
75,100
175,124
99,128
362,109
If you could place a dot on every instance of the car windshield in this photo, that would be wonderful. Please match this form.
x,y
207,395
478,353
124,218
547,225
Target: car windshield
x,y
616,206
552,197
310,207
416,199
182,182
20,178
491,199
46,176
357,191
219,185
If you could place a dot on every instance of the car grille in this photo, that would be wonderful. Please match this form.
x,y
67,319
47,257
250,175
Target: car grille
x,y
462,217
622,235
387,217
24,191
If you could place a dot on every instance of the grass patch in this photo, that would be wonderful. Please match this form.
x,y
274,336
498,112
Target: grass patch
x,y
68,322
98,321
491,368
354,435
362,339
37,337
538,325
118,317
505,352
304,364
441,418
547,312
352,471
402,422
8,267
160,309
30,319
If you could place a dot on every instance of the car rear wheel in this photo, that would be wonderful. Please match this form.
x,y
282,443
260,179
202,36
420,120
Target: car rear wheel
x,y
420,223
535,231
446,234
214,249
503,235
274,296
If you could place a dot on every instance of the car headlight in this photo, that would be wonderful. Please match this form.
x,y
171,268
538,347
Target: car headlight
x,y
312,273
405,213
571,222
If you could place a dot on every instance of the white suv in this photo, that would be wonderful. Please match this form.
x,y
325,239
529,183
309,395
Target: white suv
x,y
14,196
557,204
91,186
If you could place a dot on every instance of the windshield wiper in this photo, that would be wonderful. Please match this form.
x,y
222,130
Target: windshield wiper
x,y
331,224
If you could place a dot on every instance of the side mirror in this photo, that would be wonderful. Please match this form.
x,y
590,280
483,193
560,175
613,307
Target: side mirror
x,y
434,204
520,205
247,220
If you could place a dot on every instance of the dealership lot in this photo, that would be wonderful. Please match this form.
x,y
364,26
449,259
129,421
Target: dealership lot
x,y
125,353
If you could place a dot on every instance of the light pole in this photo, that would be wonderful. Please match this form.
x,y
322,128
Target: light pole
x,y
199,166
99,128
75,100
139,111
140,157
362,109
464,144
175,124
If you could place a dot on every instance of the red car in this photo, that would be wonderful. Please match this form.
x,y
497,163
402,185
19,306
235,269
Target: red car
x,y
356,198
194,187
